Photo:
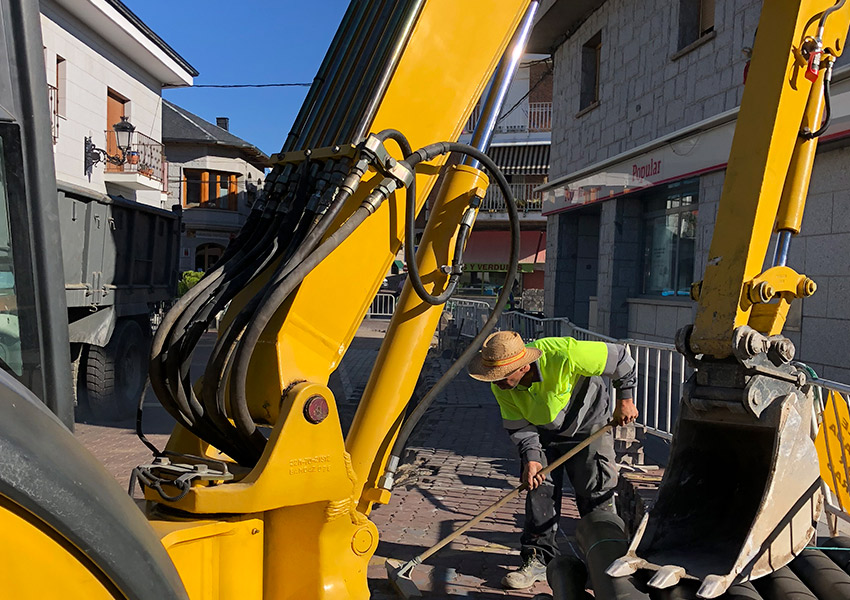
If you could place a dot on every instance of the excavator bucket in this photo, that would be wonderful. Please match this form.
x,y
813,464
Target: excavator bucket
x,y
739,499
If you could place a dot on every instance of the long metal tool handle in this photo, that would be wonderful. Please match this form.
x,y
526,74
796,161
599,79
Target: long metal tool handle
x,y
511,495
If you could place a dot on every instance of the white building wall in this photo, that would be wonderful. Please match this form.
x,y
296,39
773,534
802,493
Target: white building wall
x,y
92,66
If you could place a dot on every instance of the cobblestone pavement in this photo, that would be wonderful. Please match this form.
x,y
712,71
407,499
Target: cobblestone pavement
x,y
459,462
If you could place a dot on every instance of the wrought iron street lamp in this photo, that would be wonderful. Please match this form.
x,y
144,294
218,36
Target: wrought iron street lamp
x,y
124,140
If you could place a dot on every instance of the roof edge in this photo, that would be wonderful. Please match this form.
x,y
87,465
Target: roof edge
x,y
152,36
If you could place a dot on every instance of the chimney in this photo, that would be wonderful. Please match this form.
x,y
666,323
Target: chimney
x,y
223,122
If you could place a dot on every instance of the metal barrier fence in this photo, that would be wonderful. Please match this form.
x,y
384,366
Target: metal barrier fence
x,y
661,370
661,376
383,306
838,457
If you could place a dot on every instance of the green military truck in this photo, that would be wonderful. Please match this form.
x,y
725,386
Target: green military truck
x,y
120,264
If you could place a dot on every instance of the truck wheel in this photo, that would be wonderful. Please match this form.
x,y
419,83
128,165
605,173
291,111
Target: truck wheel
x,y
116,373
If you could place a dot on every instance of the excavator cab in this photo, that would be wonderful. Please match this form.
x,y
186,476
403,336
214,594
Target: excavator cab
x,y
741,496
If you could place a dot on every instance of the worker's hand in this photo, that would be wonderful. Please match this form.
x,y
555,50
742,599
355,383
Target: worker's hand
x,y
626,412
530,474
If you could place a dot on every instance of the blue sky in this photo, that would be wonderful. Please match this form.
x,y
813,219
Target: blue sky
x,y
255,41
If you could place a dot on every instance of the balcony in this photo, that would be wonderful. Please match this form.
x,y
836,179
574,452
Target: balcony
x,y
532,117
527,200
53,102
144,168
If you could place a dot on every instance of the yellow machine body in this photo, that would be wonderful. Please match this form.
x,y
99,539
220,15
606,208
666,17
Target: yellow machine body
x,y
767,156
299,526
25,541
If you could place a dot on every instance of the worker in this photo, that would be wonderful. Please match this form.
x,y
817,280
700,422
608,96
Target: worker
x,y
551,397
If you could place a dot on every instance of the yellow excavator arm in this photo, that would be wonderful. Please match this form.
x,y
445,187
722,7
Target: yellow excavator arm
x,y
741,494
363,157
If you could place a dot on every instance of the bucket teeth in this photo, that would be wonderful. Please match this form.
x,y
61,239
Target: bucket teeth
x,y
666,576
740,498
622,567
712,587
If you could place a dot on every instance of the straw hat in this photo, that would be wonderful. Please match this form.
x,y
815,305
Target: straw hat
x,y
503,353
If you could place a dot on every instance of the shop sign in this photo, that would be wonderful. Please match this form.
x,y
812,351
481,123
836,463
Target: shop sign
x,y
497,267
699,153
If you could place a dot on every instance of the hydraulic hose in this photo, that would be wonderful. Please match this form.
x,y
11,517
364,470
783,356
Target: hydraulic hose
x,y
425,154
222,359
269,305
175,335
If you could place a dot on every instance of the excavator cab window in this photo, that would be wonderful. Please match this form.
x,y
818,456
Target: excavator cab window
x,y
19,351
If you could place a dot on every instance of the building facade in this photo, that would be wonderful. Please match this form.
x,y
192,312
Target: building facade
x,y
103,63
520,147
215,176
645,101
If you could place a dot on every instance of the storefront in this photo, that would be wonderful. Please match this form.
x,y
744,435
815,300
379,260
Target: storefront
x,y
627,236
486,262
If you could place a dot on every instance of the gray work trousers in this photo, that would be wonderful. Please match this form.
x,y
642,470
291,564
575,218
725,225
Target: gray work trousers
x,y
593,475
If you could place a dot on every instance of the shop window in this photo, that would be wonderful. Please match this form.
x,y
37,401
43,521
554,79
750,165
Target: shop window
x,y
591,54
696,19
670,218
61,86
209,189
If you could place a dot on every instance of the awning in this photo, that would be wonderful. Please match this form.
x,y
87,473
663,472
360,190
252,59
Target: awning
x,y
490,250
526,159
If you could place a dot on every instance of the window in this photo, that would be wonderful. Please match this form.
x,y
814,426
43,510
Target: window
x,y
116,107
696,19
209,189
590,58
207,255
20,351
670,218
61,86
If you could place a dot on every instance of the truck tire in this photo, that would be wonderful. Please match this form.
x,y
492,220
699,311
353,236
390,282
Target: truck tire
x,y
116,373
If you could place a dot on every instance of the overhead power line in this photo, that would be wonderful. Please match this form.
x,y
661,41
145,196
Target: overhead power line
x,y
246,85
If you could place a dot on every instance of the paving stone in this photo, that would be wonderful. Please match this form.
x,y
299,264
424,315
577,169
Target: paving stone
x,y
459,462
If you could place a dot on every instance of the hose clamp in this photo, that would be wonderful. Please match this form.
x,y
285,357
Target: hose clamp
x,y
374,148
452,269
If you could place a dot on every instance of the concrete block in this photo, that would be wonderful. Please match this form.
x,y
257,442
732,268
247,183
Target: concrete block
x,y
817,305
827,255
665,323
713,105
840,211
830,173
646,319
818,215
838,297
836,373
825,341
685,316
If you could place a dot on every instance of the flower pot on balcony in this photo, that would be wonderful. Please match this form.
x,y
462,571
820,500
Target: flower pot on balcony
x,y
145,170
133,157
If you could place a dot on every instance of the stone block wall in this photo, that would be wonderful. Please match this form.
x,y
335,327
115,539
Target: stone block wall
x,y
647,87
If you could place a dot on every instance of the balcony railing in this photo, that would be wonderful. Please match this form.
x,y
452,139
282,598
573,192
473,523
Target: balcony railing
x,y
536,117
527,200
146,156
53,101
540,116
